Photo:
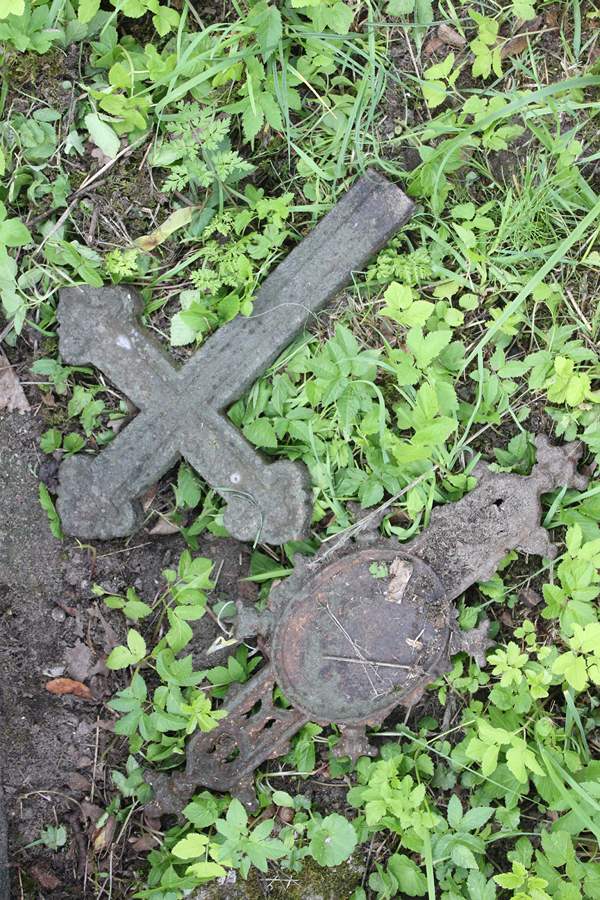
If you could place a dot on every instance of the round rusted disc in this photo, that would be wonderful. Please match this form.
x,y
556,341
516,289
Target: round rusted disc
x,y
365,633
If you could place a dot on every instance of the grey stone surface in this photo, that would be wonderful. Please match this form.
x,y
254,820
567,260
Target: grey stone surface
x,y
4,880
182,412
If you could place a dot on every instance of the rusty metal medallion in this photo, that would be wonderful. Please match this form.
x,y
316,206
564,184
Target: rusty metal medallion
x,y
367,625
361,636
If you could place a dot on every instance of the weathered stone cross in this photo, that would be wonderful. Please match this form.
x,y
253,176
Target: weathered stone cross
x,y
182,412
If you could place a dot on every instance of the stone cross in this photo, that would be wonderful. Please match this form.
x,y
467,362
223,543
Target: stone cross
x,y
182,411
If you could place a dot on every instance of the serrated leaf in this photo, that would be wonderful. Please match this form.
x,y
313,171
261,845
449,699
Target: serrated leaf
x,y
136,644
409,876
119,658
454,811
261,433
191,846
425,348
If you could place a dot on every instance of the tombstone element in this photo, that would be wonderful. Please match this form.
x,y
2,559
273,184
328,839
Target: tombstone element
x,y
354,633
182,412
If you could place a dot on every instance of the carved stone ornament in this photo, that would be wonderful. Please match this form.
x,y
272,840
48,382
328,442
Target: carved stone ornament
x,y
362,628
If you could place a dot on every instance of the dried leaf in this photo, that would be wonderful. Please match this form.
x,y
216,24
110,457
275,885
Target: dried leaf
x,y
79,661
104,836
432,46
61,686
177,219
90,812
144,843
163,526
450,36
45,878
530,597
12,395
515,46
401,570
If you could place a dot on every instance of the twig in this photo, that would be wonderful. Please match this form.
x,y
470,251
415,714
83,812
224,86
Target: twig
x,y
370,662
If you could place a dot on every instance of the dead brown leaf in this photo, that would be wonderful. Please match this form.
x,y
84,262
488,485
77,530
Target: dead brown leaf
x,y
145,842
530,597
515,46
45,878
103,837
78,782
79,661
90,812
401,570
163,526
450,37
12,395
61,686
432,46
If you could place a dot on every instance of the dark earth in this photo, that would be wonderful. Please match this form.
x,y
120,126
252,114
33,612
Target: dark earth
x,y
57,751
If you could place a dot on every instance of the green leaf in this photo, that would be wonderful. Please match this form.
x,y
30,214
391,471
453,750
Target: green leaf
x,y
573,668
191,846
338,17
523,9
102,135
206,871
252,120
51,440
50,510
203,811
333,841
73,442
181,332
236,815
434,93
400,7
425,348
440,70
13,233
136,644
266,20
119,658
136,609
463,857
282,798
87,10
188,491
454,811
12,8
409,876
165,20
260,433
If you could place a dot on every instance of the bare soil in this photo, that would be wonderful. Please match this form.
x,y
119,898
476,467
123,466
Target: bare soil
x,y
56,752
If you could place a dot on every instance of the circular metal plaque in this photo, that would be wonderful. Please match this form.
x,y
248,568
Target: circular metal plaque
x,y
361,636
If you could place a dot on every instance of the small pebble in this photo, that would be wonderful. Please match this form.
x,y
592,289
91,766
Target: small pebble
x,y
58,614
